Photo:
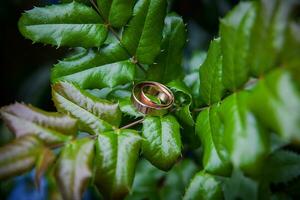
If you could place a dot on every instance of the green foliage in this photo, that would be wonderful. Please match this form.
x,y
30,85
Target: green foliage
x,y
204,186
282,166
174,37
235,32
154,184
90,59
116,12
115,160
245,87
101,76
52,128
142,36
238,186
19,156
61,25
183,102
89,112
162,144
208,128
281,99
211,85
74,168
245,136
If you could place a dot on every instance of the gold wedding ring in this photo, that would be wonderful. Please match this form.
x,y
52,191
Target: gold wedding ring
x,y
152,98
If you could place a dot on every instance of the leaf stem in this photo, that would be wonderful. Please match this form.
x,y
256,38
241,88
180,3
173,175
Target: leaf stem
x,y
95,136
98,11
133,124
200,109
116,35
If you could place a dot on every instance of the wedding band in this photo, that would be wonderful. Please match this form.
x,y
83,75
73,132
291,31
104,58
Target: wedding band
x,y
141,93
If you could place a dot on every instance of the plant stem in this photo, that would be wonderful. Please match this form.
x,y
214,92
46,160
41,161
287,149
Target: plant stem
x,y
199,109
133,124
116,35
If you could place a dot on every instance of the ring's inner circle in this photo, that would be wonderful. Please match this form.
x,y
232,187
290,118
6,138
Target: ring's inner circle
x,y
155,94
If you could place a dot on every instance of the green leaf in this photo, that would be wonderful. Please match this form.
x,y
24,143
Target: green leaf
x,y
52,128
74,168
88,59
72,24
215,157
211,85
153,184
109,75
19,156
183,101
168,64
116,156
269,33
146,182
143,35
262,52
95,115
276,103
116,12
52,187
154,99
178,179
128,108
204,186
282,166
235,32
192,79
122,94
291,50
243,134
45,159
241,187
162,144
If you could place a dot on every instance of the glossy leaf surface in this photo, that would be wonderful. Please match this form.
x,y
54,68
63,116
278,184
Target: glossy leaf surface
x,y
211,84
19,156
128,108
94,115
88,59
116,156
262,53
278,96
209,129
109,75
183,101
204,186
168,64
116,12
142,37
52,128
162,144
235,32
243,134
74,168
61,25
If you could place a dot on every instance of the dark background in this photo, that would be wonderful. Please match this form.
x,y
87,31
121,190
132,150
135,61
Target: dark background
x,y
25,67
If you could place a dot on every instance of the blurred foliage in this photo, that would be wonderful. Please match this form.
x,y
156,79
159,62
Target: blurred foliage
x,y
239,101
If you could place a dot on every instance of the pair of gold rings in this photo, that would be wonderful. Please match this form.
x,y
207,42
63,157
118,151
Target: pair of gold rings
x,y
152,98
